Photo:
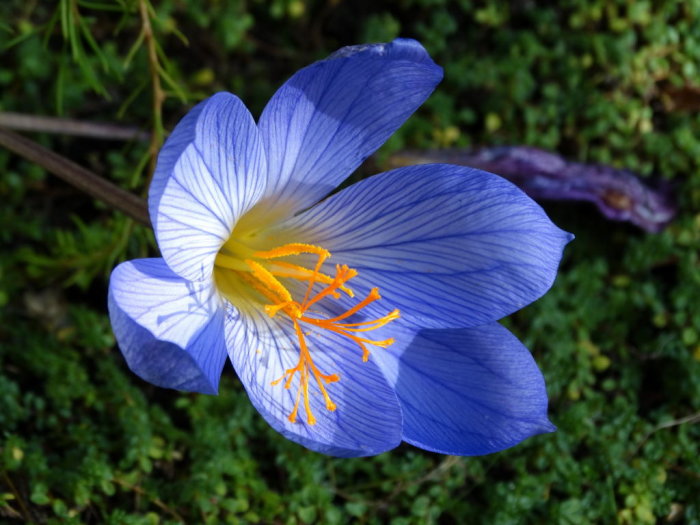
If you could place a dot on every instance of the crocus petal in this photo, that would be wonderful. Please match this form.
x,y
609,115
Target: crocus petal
x,y
467,391
449,246
209,173
170,331
367,419
330,116
181,137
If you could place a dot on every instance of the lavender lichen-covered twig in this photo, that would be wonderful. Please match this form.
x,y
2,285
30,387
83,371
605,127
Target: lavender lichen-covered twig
x,y
618,194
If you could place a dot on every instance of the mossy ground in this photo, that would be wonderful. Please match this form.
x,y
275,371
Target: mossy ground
x,y
82,440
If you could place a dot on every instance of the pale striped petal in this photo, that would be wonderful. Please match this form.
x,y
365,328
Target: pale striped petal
x,y
207,178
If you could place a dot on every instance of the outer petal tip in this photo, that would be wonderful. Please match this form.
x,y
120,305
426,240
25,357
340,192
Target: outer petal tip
x,y
404,48
468,392
548,427
169,331
399,50
330,116
158,362
414,49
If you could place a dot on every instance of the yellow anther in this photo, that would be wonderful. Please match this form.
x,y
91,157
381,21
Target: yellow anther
x,y
270,281
296,248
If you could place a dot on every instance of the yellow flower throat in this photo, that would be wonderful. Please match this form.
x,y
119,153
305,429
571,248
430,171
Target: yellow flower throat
x,y
265,271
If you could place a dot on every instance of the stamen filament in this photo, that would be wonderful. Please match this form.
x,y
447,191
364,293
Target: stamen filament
x,y
304,351
263,272
310,419
321,258
342,275
371,297
293,416
304,274
371,325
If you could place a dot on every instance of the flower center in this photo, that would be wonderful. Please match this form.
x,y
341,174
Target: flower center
x,y
266,271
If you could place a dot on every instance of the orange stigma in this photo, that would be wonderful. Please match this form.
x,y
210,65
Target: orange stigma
x,y
263,273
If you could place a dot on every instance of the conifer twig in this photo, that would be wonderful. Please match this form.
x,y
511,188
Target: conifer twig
x,y
692,419
154,68
24,510
154,499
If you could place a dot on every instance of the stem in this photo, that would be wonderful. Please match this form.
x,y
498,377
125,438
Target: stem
x,y
154,499
25,511
693,418
68,126
83,179
158,93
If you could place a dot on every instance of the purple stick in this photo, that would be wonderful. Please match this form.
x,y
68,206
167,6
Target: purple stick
x,y
619,194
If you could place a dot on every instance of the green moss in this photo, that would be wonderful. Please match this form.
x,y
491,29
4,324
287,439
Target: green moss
x,y
82,440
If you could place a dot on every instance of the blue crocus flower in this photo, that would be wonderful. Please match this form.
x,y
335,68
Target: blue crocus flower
x,y
353,322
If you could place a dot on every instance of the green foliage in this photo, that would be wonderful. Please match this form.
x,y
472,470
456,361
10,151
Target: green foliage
x,y
82,440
